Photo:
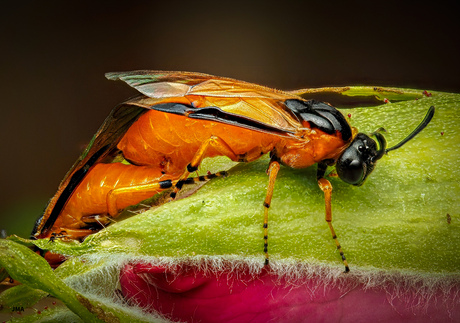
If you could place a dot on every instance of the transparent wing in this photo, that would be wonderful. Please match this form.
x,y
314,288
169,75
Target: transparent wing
x,y
237,98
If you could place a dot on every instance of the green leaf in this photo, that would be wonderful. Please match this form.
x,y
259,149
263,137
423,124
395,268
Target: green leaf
x,y
33,271
398,219
377,92
405,219
382,93
20,296
56,314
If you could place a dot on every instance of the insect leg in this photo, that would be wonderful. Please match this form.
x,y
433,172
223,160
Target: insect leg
x,y
154,188
70,234
96,222
272,171
326,187
218,144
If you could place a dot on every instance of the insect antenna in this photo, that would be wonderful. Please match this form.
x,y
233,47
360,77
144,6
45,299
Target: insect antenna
x,y
382,144
429,115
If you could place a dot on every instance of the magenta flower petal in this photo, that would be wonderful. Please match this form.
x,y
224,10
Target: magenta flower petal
x,y
189,294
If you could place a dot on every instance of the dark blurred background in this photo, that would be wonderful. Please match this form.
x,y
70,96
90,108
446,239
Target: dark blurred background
x,y
54,55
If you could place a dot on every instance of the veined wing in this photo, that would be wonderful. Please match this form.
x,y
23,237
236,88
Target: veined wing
x,y
101,147
161,84
229,98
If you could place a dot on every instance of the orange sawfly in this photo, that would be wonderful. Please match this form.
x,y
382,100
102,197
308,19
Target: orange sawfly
x,y
179,119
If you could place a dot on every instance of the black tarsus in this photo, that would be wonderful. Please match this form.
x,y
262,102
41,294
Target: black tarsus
x,y
165,184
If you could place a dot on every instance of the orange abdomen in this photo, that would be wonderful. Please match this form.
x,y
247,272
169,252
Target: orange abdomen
x,y
90,196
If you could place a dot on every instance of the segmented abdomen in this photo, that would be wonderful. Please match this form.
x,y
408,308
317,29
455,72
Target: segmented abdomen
x,y
169,141
90,197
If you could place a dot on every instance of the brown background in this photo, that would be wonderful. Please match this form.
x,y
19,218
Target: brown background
x,y
54,54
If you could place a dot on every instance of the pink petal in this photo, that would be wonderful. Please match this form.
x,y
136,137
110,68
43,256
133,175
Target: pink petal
x,y
189,294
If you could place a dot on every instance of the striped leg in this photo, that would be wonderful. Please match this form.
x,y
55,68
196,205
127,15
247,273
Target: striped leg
x,y
326,187
192,180
273,169
215,142
153,187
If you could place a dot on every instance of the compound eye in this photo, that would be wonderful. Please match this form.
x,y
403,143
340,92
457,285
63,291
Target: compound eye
x,y
350,167
353,173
